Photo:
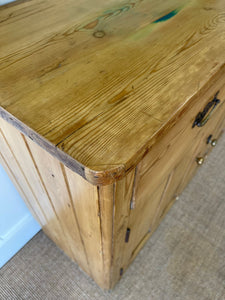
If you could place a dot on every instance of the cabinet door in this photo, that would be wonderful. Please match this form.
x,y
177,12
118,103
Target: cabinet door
x,y
153,199
177,180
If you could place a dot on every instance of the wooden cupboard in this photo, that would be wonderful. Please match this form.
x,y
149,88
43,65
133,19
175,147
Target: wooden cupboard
x,y
107,110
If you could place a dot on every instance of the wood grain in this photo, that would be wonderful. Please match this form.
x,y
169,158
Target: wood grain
x,y
101,80
47,189
53,176
164,172
122,201
87,222
101,97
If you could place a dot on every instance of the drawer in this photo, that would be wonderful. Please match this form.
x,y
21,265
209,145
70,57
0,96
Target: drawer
x,y
207,141
168,167
164,155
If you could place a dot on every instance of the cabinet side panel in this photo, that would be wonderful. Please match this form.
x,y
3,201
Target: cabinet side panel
x,y
42,182
86,203
33,182
53,177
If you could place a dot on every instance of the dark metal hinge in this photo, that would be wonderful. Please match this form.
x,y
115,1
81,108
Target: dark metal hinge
x,y
127,235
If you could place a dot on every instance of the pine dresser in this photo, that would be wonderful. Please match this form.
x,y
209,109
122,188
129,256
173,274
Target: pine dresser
x,y
107,110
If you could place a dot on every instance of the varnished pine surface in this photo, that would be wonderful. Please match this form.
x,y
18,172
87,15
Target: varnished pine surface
x,y
87,222
100,79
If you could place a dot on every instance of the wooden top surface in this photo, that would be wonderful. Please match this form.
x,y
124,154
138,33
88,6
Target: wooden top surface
x,y
95,82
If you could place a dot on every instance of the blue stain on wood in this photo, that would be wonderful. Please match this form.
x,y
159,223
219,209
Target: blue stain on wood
x,y
167,16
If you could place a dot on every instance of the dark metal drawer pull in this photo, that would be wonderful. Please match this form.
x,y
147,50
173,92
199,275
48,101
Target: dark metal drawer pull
x,y
203,117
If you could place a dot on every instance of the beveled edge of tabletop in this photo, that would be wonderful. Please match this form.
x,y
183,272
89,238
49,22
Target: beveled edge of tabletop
x,y
108,174
95,177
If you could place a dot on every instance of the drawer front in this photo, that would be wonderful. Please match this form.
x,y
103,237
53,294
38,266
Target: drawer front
x,y
164,172
179,138
206,138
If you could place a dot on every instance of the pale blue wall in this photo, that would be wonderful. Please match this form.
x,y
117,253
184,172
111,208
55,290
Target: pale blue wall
x,y
5,1
17,226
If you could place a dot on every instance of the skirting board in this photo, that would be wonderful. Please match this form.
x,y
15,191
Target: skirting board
x,y
18,236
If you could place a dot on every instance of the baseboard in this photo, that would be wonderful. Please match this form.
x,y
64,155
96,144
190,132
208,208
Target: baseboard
x,y
18,236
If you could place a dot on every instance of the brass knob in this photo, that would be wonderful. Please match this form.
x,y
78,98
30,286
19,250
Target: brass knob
x,y
213,143
200,160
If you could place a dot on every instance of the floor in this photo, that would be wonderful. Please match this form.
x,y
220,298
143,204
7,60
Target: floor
x,y
183,260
